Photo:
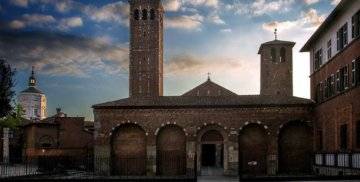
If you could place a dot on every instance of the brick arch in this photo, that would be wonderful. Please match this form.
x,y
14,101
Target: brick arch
x,y
221,145
253,146
171,150
169,124
201,130
122,123
266,127
128,150
295,139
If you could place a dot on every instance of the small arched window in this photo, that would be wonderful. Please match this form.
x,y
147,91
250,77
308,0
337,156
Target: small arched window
x,y
144,14
283,54
136,14
152,14
273,55
46,141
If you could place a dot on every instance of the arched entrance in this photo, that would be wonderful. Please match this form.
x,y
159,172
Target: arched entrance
x,y
295,148
171,151
252,150
129,150
212,153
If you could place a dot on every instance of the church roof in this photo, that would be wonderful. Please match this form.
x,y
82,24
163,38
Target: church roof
x,y
205,101
32,90
209,88
275,42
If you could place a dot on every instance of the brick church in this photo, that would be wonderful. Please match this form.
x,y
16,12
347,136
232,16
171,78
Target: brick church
x,y
209,129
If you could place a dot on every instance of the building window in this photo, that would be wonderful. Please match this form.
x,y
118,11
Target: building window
x,y
326,89
282,54
136,14
318,59
144,14
355,25
343,137
273,55
140,89
332,86
353,73
338,85
342,37
152,14
318,92
344,78
329,49
357,71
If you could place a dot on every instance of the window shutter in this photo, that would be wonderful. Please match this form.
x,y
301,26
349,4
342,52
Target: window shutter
x,y
338,40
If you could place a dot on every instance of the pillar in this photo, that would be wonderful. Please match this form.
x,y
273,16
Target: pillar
x,y
272,156
6,145
102,160
190,156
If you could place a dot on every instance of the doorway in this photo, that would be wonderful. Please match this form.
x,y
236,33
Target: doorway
x,y
212,154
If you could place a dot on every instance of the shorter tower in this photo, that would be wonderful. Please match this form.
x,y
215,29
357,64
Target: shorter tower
x,y
276,68
33,100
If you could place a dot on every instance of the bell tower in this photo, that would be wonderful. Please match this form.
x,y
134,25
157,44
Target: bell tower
x,y
146,48
276,67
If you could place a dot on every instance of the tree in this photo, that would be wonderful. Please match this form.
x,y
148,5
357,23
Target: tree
x,y
6,84
13,119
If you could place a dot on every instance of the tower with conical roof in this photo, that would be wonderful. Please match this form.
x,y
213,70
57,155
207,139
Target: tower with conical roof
x,y
33,100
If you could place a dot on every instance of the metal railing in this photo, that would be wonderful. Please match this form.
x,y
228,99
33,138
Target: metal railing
x,y
340,160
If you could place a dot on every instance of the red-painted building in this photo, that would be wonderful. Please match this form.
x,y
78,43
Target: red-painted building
x,y
335,86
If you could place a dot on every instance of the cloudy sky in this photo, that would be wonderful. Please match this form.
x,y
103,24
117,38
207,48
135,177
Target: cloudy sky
x,y
80,48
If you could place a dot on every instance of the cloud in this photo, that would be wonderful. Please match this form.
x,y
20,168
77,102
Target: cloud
x,y
308,20
172,5
186,63
215,18
208,3
62,54
16,24
187,22
226,30
37,20
335,2
114,12
20,3
311,1
72,22
64,5
260,7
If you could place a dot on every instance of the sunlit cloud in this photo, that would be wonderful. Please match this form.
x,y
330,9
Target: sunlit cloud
x,y
187,22
61,54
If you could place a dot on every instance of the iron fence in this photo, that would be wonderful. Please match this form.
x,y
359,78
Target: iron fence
x,y
70,167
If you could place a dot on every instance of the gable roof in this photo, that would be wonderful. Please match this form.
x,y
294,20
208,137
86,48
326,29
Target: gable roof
x,y
206,102
209,88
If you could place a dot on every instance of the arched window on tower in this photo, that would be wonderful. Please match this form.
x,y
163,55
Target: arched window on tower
x,y
283,54
144,14
152,14
273,55
136,14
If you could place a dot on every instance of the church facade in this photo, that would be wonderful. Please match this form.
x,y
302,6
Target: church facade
x,y
209,128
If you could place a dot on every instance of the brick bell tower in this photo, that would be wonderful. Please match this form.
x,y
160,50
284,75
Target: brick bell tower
x,y
276,67
146,48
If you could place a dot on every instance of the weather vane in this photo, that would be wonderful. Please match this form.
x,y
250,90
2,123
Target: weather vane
x,y
275,32
208,75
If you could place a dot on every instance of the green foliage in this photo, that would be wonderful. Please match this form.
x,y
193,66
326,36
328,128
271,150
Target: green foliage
x,y
14,119
6,85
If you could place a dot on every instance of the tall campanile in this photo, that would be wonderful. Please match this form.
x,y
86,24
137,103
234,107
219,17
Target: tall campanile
x,y
146,48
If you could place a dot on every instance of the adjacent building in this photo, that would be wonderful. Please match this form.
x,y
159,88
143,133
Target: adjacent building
x,y
33,100
335,86
59,136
